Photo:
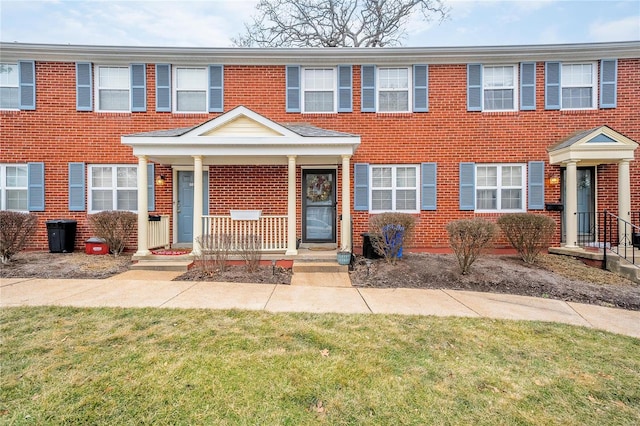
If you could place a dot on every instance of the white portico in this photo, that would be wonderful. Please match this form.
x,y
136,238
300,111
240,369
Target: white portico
x,y
243,137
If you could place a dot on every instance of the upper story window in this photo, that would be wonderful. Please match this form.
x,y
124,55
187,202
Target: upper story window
x,y
319,89
9,90
113,187
579,86
14,187
500,88
190,89
500,187
112,88
394,89
394,188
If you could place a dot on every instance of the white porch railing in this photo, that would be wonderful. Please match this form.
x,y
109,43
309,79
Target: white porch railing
x,y
271,229
158,233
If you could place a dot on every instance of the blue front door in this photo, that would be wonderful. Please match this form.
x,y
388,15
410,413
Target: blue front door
x,y
185,204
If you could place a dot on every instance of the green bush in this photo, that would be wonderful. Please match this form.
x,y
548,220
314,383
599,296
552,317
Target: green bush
x,y
390,233
528,233
468,238
15,230
114,227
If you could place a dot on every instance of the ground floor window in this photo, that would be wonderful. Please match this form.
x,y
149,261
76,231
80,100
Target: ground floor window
x,y
500,187
14,187
113,187
394,188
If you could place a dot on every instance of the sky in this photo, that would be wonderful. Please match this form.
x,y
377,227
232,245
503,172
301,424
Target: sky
x,y
212,23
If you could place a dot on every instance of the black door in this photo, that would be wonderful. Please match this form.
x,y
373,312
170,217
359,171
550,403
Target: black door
x,y
319,206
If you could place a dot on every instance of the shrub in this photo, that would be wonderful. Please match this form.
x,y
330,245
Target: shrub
x,y
215,249
468,238
390,232
114,227
528,233
15,230
250,250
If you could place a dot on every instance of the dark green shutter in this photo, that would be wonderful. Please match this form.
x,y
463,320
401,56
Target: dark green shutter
x,y
35,187
216,88
368,82
345,89
536,185
361,186
528,86
429,186
420,88
293,88
163,88
76,187
467,186
552,85
608,83
138,87
27,84
84,90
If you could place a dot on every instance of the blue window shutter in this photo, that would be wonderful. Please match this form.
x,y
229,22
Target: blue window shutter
x,y
528,86
368,82
467,186
293,88
345,88
163,88
429,186
27,84
216,88
536,185
138,87
608,83
420,88
474,87
361,186
151,187
76,187
35,187
552,85
84,91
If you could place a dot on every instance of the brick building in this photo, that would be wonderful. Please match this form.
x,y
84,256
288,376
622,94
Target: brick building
x,y
309,143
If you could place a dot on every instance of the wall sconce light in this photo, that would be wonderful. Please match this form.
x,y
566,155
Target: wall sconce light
x,y
553,181
160,180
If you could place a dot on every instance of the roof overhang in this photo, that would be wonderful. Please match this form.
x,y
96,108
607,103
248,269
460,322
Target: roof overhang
x,y
601,145
242,137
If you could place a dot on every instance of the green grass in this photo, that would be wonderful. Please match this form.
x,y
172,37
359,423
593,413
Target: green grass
x,y
152,366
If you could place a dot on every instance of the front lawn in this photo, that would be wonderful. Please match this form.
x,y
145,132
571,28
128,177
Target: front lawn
x,y
163,366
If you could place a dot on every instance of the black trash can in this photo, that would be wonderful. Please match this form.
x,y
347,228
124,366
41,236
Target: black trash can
x,y
367,248
61,234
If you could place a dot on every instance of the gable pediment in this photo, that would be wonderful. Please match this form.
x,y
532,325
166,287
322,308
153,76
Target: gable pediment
x,y
241,126
595,146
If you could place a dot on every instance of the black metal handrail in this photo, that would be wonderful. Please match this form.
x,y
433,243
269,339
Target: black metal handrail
x,y
620,243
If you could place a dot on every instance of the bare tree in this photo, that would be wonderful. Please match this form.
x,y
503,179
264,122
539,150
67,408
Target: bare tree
x,y
334,23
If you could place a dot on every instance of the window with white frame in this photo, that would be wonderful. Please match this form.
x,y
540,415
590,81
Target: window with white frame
x,y
9,92
112,88
579,86
500,187
394,89
113,187
190,85
394,188
500,87
319,89
14,187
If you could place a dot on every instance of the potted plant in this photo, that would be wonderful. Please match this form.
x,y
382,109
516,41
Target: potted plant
x,y
344,257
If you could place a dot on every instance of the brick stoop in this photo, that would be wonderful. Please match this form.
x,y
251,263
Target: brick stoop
x,y
320,273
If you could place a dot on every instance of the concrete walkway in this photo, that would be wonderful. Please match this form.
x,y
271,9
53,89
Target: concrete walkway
x,y
154,289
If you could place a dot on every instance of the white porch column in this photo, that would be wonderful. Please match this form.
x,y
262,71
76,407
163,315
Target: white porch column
x,y
571,206
197,204
624,196
291,206
345,225
143,205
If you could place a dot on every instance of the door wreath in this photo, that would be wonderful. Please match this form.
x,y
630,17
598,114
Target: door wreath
x,y
319,188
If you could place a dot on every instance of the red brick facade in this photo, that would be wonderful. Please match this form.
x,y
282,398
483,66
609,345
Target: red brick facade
x,y
56,134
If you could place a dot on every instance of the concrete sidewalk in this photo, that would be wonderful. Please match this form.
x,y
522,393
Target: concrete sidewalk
x,y
148,290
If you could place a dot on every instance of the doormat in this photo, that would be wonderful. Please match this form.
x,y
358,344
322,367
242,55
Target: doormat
x,y
170,252
321,248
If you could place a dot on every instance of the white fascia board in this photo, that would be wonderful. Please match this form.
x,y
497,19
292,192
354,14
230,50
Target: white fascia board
x,y
231,151
236,141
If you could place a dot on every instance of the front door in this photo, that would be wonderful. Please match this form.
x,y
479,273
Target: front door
x,y
319,206
585,177
185,204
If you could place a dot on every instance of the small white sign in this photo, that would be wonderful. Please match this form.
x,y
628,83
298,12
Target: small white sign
x,y
246,214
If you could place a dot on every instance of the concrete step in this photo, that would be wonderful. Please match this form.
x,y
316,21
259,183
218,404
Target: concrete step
x,y
309,266
162,265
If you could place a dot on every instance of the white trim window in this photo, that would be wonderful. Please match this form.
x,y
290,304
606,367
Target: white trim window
x,y
9,90
112,88
579,86
190,89
394,188
319,90
113,187
500,88
14,187
394,89
500,187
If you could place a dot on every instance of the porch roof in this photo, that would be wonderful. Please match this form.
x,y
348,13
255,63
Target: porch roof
x,y
600,145
242,136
